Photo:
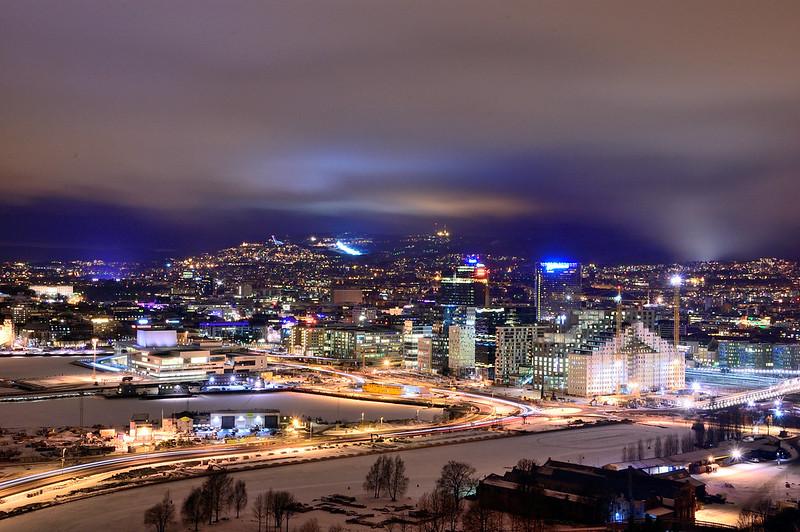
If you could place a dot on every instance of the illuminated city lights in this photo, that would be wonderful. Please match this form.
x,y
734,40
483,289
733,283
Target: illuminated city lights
x,y
349,250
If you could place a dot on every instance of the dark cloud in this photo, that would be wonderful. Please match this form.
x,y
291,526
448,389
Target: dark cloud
x,y
614,123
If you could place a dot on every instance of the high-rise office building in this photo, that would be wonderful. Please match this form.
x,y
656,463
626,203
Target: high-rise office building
x,y
425,354
467,286
413,333
515,349
461,352
558,290
487,320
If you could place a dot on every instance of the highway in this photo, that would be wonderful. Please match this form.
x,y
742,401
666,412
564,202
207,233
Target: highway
x,y
485,405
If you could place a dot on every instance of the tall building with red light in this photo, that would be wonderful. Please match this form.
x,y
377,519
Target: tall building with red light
x,y
468,286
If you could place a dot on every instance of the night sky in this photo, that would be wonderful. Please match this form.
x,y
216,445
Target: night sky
x,y
631,131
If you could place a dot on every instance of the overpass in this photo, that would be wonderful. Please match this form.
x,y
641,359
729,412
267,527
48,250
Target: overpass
x,y
787,387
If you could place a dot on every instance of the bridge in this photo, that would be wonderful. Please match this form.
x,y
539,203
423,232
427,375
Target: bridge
x,y
789,386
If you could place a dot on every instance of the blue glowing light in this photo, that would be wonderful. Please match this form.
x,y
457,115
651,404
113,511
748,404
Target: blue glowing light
x,y
142,321
207,324
344,248
550,267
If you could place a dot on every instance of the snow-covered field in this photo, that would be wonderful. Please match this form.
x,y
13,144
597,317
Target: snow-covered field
x,y
746,484
123,511
34,368
117,412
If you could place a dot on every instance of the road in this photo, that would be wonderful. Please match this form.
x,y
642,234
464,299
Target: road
x,y
486,406
122,511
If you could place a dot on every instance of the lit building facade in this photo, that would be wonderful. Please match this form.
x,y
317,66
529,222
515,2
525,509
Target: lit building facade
x,y
515,351
6,333
413,333
461,352
307,340
195,363
425,355
468,286
53,291
635,360
558,290
741,354
364,346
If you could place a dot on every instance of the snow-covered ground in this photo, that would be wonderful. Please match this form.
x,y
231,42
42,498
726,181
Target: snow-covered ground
x,y
35,367
122,511
745,484
117,412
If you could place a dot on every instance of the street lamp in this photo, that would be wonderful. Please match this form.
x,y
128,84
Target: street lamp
x,y
94,360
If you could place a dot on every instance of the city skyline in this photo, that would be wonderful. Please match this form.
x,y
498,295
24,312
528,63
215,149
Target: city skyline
x,y
349,266
618,131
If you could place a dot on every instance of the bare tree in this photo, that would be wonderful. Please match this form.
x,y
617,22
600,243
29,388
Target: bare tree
x,y
312,525
752,519
526,465
160,515
259,510
374,481
699,430
283,505
520,523
479,518
397,483
194,509
437,505
632,453
218,493
239,496
687,442
673,447
457,480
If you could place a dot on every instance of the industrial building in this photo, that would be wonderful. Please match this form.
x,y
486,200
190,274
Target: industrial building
x,y
589,495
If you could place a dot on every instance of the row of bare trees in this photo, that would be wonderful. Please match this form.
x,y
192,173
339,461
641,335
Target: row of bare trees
x,y
444,505
387,476
274,508
218,494
669,445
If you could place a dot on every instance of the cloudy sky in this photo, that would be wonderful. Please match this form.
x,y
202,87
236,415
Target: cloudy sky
x,y
605,130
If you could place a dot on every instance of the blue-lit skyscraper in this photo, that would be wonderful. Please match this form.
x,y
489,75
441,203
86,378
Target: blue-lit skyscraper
x,y
558,290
